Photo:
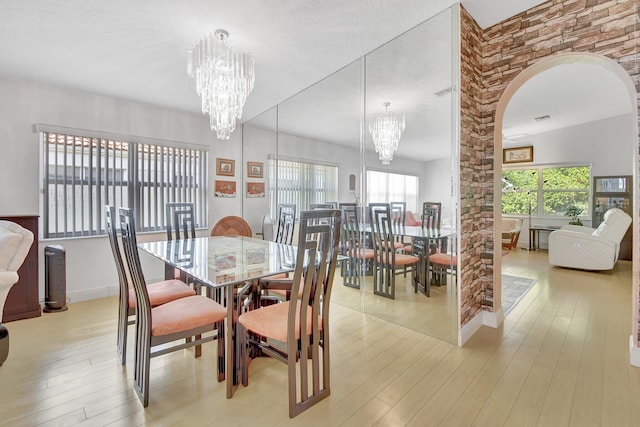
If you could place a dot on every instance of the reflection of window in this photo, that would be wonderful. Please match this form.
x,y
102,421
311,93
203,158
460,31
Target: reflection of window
x,y
546,190
393,187
302,183
82,174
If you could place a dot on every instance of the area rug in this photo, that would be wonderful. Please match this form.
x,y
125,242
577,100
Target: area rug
x,y
513,289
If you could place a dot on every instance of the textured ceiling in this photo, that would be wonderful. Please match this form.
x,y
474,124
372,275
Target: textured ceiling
x,y
138,51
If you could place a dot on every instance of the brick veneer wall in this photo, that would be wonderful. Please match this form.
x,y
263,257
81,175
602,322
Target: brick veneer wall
x,y
498,54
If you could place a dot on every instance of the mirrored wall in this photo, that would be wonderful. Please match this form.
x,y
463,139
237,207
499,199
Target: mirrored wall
x,y
316,148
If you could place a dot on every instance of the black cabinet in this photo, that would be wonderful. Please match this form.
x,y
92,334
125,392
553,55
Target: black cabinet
x,y
614,192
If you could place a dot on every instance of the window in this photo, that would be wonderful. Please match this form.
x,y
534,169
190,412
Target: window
x,y
82,174
302,183
546,190
393,187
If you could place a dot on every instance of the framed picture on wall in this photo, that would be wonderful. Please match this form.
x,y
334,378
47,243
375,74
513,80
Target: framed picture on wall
x,y
255,189
517,155
225,167
225,188
255,169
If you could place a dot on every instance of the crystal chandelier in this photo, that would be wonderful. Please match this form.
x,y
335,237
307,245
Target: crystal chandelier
x,y
224,79
386,130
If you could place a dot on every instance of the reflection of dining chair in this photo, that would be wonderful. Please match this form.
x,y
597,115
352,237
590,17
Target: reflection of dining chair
x,y
303,322
159,293
443,262
184,319
352,245
346,204
431,215
180,221
231,226
386,258
15,244
286,223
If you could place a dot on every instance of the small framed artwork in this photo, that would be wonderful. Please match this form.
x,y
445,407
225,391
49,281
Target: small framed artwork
x,y
225,188
517,155
255,189
255,169
225,167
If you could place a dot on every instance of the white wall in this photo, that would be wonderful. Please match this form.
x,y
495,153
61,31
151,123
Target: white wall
x,y
436,185
90,269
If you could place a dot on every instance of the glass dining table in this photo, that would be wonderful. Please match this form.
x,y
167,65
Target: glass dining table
x,y
224,263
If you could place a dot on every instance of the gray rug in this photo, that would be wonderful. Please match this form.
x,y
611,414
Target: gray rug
x,y
513,289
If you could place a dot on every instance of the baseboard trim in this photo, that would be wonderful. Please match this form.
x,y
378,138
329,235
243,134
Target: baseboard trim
x,y
470,328
493,319
634,352
90,294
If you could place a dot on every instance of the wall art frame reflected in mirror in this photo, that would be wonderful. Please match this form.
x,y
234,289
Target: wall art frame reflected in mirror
x,y
225,167
255,169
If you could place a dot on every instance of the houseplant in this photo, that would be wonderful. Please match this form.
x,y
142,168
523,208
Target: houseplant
x,y
573,212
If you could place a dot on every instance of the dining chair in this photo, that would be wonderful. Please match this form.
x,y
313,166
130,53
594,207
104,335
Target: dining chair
x,y
442,262
184,320
180,223
386,258
232,226
353,246
286,223
302,323
375,207
431,215
159,292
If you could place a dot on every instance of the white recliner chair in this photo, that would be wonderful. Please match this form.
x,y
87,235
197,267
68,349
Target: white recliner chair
x,y
15,242
588,248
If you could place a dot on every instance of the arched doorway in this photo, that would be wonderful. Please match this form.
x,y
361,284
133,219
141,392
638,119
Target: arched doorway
x,y
516,84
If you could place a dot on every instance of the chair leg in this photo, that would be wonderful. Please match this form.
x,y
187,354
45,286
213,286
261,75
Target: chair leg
x,y
142,368
199,346
221,351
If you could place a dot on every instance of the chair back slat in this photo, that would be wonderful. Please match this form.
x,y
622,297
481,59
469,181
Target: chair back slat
x,y
180,221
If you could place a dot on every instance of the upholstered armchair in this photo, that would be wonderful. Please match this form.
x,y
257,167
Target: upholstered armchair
x,y
588,248
15,242
511,232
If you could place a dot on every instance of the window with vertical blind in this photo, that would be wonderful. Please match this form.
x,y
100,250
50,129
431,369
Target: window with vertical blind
x,y
302,183
82,174
385,187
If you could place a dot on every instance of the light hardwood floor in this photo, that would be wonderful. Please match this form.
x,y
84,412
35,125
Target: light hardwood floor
x,y
561,358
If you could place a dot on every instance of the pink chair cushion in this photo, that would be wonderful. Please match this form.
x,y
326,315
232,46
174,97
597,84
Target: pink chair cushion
x,y
402,259
411,220
443,259
163,292
362,253
271,321
184,314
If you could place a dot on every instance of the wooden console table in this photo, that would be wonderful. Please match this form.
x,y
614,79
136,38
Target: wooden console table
x,y
23,299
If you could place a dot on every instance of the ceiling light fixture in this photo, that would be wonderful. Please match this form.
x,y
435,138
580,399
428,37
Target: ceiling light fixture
x,y
224,79
386,130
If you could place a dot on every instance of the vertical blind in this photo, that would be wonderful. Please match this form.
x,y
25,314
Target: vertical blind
x,y
83,174
302,183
